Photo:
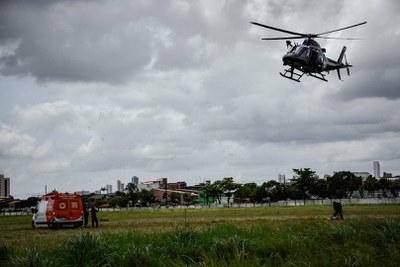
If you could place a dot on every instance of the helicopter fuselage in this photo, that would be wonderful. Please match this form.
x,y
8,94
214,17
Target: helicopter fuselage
x,y
307,57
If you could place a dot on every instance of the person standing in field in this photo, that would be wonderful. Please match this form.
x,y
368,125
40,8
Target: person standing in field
x,y
338,213
85,214
93,214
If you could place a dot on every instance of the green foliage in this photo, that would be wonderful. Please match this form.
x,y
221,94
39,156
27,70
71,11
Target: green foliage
x,y
132,192
305,181
146,197
33,257
5,253
89,250
247,192
212,191
342,184
175,198
275,236
31,201
119,201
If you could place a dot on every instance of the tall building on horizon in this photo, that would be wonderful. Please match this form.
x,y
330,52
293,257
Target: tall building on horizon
x,y
281,178
4,186
118,185
377,169
135,180
109,189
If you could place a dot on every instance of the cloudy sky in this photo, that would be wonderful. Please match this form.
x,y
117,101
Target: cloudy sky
x,y
95,91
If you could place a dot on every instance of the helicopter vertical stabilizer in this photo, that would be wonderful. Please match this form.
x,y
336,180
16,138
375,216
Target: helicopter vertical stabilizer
x,y
340,59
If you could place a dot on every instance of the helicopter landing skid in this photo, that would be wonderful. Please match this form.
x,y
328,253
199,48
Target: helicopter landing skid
x,y
291,75
320,76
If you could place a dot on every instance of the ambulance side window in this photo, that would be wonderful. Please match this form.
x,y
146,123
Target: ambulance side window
x,y
74,205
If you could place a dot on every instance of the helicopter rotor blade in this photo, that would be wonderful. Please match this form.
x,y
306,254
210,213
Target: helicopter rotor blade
x,y
338,38
282,38
278,29
341,29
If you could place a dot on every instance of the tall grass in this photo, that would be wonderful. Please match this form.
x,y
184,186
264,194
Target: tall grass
x,y
308,242
285,236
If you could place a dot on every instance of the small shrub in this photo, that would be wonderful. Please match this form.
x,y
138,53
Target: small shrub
x,y
90,250
5,252
231,248
33,258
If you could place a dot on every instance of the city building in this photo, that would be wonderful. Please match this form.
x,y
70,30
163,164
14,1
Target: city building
x,y
387,175
135,180
363,175
377,169
109,189
177,186
281,178
4,186
120,186
159,183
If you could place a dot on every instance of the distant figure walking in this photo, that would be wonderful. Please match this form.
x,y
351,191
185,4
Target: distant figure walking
x,y
93,214
85,214
337,207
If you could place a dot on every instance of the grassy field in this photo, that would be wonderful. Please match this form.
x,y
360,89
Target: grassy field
x,y
265,236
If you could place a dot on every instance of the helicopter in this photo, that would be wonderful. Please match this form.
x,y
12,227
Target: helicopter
x,y
309,58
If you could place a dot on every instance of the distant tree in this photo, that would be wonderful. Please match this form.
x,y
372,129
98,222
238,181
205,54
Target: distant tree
x,y
342,184
120,200
304,182
384,185
293,192
216,191
146,197
246,192
320,189
212,190
353,183
132,192
371,184
260,194
175,198
31,201
3,205
227,186
336,186
188,199
273,190
394,187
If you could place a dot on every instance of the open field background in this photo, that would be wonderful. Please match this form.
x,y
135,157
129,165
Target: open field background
x,y
266,236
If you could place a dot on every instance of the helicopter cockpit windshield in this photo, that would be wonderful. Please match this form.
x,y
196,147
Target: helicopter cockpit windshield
x,y
298,50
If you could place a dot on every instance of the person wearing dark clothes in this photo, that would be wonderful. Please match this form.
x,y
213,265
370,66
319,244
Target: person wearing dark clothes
x,y
85,214
93,214
337,207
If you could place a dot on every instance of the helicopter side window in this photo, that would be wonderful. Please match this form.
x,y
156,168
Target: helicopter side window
x,y
300,50
292,49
